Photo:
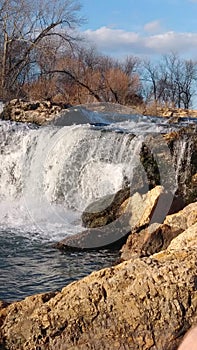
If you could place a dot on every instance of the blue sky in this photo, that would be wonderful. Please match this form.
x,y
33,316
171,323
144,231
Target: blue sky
x,y
141,27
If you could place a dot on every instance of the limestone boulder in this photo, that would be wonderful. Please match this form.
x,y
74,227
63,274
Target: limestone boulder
x,y
135,213
185,240
148,241
158,236
184,218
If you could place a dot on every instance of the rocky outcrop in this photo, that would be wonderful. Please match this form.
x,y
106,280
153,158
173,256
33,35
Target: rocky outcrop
x,y
170,160
134,213
104,210
38,112
145,303
175,114
158,236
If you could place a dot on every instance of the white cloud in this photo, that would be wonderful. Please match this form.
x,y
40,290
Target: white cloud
x,y
153,27
120,42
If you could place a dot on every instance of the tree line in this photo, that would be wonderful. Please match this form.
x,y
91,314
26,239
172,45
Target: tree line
x,y
42,56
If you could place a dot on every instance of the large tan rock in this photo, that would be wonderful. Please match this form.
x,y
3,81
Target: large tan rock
x,y
157,236
142,207
144,304
184,218
186,239
137,212
148,241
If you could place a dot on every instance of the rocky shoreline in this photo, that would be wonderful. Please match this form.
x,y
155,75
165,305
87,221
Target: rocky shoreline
x,y
148,300
143,303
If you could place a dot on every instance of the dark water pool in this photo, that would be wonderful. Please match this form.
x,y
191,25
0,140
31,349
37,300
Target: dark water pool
x,y
30,266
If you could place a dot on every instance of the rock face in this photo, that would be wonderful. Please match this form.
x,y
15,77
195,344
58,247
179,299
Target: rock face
x,y
135,212
144,304
157,236
104,210
38,112
185,142
158,157
170,160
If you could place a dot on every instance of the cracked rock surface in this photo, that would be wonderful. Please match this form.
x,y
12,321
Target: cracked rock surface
x,y
141,304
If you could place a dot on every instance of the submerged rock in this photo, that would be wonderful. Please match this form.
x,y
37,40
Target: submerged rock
x,y
145,303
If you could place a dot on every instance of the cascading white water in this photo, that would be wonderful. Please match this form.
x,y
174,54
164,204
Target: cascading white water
x,y
182,160
49,175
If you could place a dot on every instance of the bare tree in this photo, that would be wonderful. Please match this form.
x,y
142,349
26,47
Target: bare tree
x,y
27,28
179,79
171,82
98,77
150,77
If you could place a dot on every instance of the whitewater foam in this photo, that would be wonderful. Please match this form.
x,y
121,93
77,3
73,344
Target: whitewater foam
x,y
51,173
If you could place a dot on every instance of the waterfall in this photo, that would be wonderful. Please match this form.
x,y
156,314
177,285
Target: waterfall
x,y
182,154
49,174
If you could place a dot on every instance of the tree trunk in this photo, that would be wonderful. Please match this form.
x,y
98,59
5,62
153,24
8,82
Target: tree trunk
x,y
4,61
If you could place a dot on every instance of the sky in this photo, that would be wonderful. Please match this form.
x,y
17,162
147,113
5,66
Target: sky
x,y
145,28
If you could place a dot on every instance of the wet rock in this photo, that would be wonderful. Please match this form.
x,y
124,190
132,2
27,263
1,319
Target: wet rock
x,y
183,147
110,207
137,212
111,236
170,160
3,304
144,303
105,210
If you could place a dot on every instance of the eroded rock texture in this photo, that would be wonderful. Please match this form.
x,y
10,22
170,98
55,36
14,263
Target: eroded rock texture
x,y
38,112
144,304
158,236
